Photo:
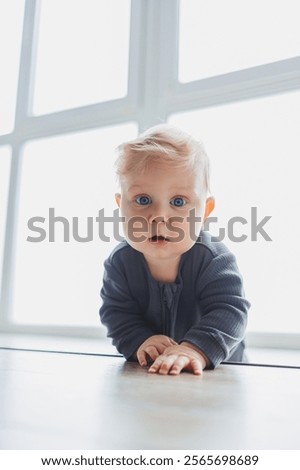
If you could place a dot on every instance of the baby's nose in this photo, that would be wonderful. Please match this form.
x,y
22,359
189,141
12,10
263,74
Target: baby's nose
x,y
156,219
159,212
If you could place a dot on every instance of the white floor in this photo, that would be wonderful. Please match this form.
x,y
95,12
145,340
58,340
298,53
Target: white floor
x,y
67,401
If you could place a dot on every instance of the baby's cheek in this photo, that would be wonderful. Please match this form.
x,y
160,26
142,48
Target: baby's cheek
x,y
194,227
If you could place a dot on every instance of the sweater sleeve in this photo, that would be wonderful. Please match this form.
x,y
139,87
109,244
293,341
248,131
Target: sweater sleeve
x,y
224,310
120,312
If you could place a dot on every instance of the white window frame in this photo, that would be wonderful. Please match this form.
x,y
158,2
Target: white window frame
x,y
154,93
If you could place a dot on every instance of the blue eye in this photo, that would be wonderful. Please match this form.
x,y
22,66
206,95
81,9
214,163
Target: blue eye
x,y
143,200
178,201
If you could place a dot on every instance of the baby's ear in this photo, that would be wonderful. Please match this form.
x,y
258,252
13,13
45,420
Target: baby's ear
x,y
118,199
209,206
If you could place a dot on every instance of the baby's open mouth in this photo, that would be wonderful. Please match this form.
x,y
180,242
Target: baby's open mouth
x,y
158,238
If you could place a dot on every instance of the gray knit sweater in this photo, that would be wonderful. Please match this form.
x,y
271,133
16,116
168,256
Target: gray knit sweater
x,y
204,306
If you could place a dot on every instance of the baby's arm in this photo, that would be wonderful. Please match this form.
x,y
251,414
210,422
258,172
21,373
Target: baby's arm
x,y
184,356
120,313
153,347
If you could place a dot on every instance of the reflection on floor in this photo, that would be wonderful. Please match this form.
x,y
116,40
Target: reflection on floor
x,y
103,346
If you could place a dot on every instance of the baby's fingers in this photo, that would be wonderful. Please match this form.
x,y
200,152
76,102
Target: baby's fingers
x,y
171,342
180,363
152,353
163,364
195,366
156,364
141,357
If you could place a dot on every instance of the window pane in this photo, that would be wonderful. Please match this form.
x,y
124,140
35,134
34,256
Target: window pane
x,y
11,22
5,158
82,54
254,148
58,282
218,37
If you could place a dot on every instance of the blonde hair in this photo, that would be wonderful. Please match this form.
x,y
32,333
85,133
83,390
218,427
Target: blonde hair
x,y
163,144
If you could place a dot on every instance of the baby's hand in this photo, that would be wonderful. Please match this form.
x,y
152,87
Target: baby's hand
x,y
176,358
153,347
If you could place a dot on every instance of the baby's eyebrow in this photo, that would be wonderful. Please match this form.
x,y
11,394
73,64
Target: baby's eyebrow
x,y
174,189
134,186
183,189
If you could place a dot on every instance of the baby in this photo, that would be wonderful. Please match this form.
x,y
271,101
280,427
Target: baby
x,y
172,295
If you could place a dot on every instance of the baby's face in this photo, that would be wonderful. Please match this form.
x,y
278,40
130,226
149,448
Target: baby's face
x,y
160,207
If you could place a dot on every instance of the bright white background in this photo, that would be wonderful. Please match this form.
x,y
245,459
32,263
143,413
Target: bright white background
x,y
219,37
73,174
11,17
89,64
84,79
4,182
